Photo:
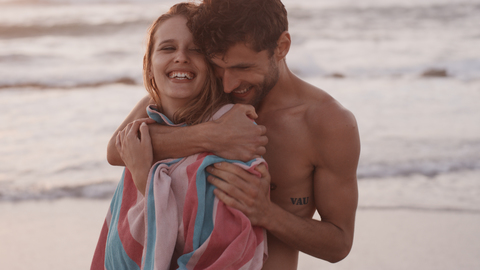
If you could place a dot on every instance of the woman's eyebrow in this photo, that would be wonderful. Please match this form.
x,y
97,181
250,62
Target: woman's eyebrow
x,y
166,41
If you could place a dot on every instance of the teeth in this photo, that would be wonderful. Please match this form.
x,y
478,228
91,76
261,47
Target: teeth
x,y
181,75
242,91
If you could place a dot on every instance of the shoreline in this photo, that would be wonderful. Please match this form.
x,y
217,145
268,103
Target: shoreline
x,y
403,238
62,234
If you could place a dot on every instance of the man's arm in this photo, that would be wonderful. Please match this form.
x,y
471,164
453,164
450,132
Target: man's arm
x,y
335,194
337,147
232,136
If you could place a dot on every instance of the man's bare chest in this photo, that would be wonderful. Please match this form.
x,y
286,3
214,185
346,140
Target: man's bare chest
x,y
291,185
291,170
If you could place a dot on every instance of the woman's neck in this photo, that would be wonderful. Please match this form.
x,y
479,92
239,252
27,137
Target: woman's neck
x,y
170,107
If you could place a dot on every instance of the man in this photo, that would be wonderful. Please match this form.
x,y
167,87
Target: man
x,y
313,144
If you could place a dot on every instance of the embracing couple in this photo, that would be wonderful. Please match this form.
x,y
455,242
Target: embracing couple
x,y
264,165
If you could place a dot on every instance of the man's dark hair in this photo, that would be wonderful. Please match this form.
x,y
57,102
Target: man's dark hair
x,y
219,24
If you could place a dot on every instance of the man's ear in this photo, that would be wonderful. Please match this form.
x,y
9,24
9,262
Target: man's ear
x,y
283,45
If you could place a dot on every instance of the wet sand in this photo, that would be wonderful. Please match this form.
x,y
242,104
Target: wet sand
x,y
62,234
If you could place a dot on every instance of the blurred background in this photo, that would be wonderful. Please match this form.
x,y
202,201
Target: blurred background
x,y
71,70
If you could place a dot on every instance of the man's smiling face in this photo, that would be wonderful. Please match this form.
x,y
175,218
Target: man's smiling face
x,y
247,75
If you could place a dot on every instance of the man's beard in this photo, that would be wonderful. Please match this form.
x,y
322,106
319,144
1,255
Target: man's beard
x,y
268,83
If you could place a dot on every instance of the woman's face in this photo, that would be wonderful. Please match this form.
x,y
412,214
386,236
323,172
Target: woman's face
x,y
178,67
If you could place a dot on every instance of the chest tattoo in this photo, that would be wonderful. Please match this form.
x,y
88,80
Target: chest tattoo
x,y
300,201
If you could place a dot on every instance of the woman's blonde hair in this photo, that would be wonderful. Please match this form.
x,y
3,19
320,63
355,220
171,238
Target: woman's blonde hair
x,y
210,99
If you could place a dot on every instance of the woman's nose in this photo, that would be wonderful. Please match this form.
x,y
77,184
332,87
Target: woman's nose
x,y
182,57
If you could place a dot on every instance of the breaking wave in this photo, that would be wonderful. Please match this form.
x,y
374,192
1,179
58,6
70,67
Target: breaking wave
x,y
70,84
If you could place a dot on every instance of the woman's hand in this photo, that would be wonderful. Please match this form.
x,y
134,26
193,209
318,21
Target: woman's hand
x,y
135,148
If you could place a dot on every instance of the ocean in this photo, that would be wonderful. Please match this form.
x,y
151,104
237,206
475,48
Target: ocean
x,y
71,70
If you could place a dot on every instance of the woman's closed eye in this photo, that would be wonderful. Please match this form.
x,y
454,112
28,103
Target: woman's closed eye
x,y
168,48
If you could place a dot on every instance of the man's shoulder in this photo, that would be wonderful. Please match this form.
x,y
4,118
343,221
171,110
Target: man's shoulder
x,y
333,129
324,113
313,110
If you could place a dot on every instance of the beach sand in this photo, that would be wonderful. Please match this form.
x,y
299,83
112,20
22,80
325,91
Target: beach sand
x,y
62,234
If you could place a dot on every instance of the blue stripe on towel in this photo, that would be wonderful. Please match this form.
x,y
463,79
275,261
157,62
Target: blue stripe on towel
x,y
115,256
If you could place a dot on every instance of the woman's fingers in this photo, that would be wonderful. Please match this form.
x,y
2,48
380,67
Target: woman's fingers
x,y
118,142
144,133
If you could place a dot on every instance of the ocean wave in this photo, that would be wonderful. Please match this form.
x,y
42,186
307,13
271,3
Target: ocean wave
x,y
421,208
79,1
382,172
71,29
135,80
70,85
428,168
371,14
101,190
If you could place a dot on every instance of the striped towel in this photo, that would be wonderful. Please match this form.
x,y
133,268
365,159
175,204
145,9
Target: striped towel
x,y
179,223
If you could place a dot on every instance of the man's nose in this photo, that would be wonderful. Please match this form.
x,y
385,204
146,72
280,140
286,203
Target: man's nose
x,y
230,81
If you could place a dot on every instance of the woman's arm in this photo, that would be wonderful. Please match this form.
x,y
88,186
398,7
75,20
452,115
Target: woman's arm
x,y
138,112
135,148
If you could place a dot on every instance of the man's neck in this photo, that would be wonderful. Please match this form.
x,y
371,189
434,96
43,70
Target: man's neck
x,y
280,95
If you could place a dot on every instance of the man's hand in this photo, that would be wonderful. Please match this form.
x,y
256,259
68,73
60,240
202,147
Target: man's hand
x,y
242,190
236,136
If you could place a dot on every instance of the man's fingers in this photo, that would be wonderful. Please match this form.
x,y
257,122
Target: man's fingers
x,y
235,176
233,192
230,184
250,112
229,169
246,109
261,151
262,169
263,131
227,200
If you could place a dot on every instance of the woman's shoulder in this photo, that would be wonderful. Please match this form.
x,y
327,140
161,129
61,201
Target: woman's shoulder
x,y
224,109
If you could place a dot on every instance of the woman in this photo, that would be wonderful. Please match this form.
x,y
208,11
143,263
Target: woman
x,y
189,91
166,216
